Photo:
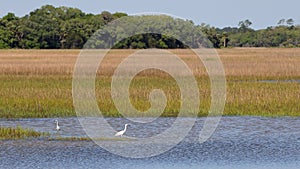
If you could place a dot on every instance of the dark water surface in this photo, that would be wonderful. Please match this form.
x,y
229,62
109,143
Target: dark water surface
x,y
238,142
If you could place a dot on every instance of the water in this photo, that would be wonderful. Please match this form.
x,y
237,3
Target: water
x,y
280,81
239,142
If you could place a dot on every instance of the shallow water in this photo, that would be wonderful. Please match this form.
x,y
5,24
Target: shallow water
x,y
280,81
238,142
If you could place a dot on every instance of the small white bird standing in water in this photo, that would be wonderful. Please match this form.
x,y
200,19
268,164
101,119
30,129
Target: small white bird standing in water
x,y
120,133
57,126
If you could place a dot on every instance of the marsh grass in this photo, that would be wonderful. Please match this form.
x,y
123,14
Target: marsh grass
x,y
89,139
20,133
38,83
69,139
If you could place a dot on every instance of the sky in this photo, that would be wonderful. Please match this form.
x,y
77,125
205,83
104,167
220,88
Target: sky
x,y
218,13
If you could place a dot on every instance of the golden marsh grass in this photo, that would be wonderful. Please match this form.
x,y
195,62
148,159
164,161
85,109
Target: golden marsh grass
x,y
19,133
38,83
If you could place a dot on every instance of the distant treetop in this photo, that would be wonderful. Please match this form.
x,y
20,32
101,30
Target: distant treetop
x,y
52,27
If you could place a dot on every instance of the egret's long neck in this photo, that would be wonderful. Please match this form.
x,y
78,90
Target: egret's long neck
x,y
125,128
56,123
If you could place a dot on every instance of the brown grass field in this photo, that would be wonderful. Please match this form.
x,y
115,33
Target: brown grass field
x,y
38,83
239,62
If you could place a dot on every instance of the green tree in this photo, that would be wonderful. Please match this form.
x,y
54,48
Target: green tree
x,y
290,22
244,26
281,22
6,34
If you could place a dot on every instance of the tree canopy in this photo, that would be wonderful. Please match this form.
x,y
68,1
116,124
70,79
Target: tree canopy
x,y
52,27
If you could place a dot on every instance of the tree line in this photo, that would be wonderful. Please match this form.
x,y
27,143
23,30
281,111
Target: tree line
x,y
52,27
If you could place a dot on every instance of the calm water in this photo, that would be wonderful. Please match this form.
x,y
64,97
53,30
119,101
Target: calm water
x,y
281,81
239,142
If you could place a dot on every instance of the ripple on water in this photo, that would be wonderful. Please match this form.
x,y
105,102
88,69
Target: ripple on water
x,y
239,142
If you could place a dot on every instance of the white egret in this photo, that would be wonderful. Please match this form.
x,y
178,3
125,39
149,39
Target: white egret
x,y
120,133
57,126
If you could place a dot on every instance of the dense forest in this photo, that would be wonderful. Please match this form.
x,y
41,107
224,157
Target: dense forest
x,y
70,28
